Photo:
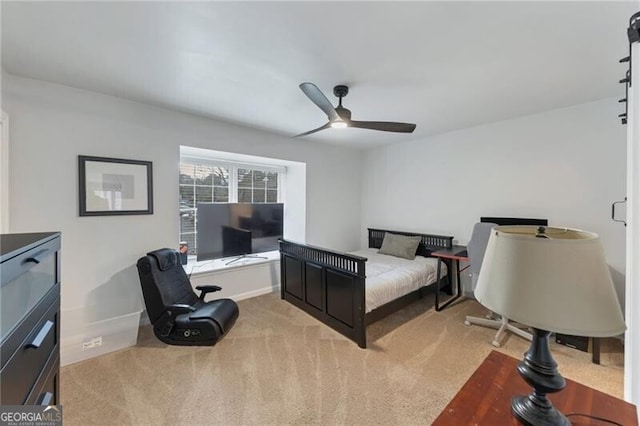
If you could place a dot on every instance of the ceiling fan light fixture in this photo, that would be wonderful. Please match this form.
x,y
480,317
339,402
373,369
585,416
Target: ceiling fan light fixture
x,y
338,124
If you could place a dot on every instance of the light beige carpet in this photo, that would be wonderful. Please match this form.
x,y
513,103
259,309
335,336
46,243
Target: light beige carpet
x,y
280,366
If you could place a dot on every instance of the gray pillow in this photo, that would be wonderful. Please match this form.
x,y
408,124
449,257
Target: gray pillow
x,y
400,245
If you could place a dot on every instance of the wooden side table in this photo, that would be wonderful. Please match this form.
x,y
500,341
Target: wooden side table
x,y
486,399
454,255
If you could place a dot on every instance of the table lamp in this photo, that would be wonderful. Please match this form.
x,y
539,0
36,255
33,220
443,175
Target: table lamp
x,y
553,280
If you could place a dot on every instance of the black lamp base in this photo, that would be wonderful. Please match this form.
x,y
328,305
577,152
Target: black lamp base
x,y
530,413
540,371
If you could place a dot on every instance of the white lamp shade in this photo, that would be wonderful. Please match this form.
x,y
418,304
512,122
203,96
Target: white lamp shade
x,y
561,283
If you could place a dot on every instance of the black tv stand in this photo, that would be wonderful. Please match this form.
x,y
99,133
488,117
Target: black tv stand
x,y
245,256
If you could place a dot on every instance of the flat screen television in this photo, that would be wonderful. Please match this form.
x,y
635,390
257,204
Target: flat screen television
x,y
237,229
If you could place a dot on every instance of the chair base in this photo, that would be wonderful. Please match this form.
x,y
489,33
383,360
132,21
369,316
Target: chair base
x,y
188,337
191,333
203,327
502,325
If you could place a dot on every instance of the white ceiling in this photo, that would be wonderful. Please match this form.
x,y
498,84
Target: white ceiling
x,y
441,65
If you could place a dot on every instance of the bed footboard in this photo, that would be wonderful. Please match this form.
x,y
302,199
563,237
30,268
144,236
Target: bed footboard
x,y
328,285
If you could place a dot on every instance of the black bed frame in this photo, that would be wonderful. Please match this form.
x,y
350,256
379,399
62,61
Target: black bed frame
x,y
330,285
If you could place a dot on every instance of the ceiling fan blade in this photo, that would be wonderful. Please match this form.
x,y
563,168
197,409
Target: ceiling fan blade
x,y
314,130
386,126
318,98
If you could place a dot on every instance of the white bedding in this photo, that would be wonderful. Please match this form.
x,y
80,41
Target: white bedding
x,y
389,277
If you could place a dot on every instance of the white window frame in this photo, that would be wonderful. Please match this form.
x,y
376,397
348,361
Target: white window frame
x,y
233,167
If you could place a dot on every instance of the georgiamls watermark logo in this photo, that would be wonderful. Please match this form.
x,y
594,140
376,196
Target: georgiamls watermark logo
x,y
30,415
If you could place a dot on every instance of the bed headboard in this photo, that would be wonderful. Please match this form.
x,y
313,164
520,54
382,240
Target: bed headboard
x,y
502,221
428,243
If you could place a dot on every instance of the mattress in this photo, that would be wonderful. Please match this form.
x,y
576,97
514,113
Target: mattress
x,y
389,277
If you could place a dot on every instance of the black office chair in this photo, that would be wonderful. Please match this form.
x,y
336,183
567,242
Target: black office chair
x,y
178,315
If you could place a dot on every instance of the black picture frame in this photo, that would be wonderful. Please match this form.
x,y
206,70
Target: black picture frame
x,y
114,186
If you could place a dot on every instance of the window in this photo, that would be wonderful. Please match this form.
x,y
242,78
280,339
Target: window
x,y
204,180
256,186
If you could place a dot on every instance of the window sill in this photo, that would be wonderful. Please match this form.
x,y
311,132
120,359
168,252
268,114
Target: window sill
x,y
195,268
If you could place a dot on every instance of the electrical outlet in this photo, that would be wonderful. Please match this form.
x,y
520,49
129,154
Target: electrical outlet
x,y
92,343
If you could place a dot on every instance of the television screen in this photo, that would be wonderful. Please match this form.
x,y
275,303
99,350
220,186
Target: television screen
x,y
236,229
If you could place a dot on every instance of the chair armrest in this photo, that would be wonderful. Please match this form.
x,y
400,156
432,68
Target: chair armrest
x,y
207,289
179,309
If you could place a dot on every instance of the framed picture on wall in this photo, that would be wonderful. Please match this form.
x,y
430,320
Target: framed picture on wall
x,y
114,186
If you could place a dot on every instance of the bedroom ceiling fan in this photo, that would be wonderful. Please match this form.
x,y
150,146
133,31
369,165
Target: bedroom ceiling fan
x,y
340,117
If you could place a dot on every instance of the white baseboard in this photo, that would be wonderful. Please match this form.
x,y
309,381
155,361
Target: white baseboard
x,y
112,333
255,293
144,318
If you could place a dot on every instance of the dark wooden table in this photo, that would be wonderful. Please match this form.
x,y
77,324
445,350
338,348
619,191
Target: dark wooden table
x,y
486,398
453,256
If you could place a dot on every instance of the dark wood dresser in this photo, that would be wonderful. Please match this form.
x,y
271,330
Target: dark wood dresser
x,y
30,319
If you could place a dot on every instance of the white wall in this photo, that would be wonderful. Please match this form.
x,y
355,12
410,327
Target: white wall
x,y
632,337
4,172
566,165
51,125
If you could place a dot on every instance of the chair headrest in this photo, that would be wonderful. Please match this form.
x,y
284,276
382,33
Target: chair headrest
x,y
167,258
